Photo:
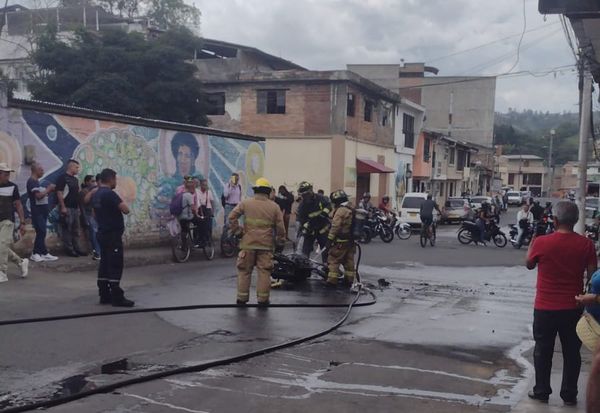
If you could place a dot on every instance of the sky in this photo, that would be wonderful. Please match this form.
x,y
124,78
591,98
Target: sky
x,y
328,34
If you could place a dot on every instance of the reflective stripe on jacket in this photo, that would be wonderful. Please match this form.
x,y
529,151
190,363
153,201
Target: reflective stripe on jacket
x,y
263,223
341,224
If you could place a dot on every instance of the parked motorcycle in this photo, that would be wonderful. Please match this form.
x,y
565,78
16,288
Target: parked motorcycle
x,y
377,224
469,232
402,230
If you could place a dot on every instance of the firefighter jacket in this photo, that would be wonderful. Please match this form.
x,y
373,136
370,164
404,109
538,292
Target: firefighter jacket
x,y
313,214
341,224
263,223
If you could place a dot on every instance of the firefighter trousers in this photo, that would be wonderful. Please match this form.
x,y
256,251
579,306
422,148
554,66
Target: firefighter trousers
x,y
341,253
246,261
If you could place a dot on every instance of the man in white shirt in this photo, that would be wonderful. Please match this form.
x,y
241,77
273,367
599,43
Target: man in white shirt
x,y
524,219
205,207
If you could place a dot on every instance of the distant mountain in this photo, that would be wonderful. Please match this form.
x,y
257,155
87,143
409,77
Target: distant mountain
x,y
528,132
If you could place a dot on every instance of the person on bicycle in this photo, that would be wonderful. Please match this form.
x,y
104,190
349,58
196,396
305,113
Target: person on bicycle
x,y
188,208
204,207
426,212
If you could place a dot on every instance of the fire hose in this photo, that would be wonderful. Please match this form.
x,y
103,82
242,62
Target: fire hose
x,y
360,289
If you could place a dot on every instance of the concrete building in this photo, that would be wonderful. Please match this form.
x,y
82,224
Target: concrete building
x,y
335,129
523,172
21,25
567,176
458,107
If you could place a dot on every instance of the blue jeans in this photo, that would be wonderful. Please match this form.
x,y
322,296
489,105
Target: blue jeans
x,y
481,225
39,219
93,233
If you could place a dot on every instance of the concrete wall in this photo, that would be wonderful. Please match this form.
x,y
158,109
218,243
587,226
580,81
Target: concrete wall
x,y
148,172
473,107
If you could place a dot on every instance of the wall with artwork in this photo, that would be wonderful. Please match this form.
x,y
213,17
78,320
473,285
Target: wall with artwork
x,y
151,162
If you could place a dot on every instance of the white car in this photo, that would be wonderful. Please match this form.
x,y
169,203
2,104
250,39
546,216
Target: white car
x,y
476,201
410,208
514,198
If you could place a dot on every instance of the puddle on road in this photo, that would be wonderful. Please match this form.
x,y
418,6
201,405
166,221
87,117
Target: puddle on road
x,y
88,380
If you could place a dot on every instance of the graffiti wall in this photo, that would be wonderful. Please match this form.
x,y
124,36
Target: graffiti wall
x,y
150,162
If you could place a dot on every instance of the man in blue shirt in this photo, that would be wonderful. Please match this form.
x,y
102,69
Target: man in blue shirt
x,y
109,210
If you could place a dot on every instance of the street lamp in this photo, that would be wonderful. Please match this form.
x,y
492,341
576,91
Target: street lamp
x,y
550,166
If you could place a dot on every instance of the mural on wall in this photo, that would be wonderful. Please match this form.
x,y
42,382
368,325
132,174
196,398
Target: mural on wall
x,y
150,162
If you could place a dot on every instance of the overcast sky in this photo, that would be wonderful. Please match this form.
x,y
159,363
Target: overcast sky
x,y
328,34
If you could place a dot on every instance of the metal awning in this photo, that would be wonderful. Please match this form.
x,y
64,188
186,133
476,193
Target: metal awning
x,y
367,166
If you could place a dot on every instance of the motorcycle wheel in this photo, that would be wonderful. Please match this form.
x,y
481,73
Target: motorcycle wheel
x,y
403,232
365,236
228,248
464,236
500,240
386,234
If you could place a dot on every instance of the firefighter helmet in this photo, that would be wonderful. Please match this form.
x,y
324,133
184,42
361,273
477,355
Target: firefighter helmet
x,y
338,197
262,183
304,187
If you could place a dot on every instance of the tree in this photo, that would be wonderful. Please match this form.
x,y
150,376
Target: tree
x,y
122,72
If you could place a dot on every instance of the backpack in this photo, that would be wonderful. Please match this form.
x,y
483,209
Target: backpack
x,y
176,205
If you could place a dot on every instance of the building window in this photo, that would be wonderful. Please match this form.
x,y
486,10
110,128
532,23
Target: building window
x,y
408,128
368,110
452,160
532,179
511,179
385,117
350,105
426,149
461,160
270,101
215,103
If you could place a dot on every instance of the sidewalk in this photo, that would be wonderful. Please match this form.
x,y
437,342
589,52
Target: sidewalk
x,y
134,257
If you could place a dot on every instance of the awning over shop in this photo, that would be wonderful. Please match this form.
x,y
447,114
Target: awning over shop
x,y
366,166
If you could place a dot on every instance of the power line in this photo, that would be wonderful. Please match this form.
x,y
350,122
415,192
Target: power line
x,y
544,26
521,39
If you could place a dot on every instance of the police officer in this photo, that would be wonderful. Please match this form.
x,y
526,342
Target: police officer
x,y
263,232
340,245
109,210
313,216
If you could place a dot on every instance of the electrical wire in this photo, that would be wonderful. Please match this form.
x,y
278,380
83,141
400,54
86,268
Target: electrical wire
x,y
544,26
521,39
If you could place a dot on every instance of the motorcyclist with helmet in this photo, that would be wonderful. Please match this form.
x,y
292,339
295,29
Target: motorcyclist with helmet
x,y
524,220
313,217
340,244
365,202
483,219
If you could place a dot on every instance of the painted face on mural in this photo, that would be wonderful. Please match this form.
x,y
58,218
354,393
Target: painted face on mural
x,y
184,160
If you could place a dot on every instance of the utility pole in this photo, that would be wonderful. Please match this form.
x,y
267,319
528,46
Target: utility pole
x,y
550,167
584,133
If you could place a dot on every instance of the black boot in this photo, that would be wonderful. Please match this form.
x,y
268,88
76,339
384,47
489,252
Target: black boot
x,y
118,297
104,292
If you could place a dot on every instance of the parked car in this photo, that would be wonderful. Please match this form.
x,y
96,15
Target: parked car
x,y
457,210
476,201
411,206
514,198
592,202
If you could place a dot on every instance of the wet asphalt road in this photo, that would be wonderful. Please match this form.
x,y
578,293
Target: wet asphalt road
x,y
450,333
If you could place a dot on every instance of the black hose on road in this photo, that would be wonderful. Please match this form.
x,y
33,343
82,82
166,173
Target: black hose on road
x,y
197,367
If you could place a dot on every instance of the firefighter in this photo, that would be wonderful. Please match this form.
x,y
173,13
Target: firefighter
x,y
313,216
262,233
340,244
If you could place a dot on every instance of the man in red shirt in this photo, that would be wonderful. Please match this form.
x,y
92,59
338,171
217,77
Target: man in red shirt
x,y
561,259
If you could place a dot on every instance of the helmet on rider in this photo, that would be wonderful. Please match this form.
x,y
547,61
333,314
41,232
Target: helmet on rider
x,y
366,195
385,199
338,197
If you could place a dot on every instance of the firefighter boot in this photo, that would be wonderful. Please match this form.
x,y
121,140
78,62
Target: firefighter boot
x,y
264,267
104,292
118,296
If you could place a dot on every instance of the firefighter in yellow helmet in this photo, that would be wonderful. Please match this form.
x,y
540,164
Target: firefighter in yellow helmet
x,y
263,232
339,241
